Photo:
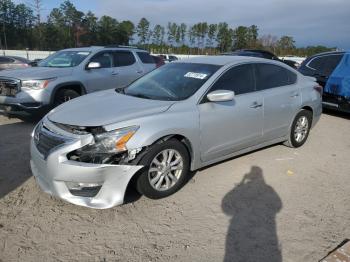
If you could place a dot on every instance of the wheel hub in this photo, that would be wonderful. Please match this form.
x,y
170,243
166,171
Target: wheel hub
x,y
165,169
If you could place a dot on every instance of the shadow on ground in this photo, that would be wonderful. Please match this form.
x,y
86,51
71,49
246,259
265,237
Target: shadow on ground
x,y
336,113
253,206
14,155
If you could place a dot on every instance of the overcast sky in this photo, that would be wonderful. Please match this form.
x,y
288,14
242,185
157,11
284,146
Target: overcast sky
x,y
310,22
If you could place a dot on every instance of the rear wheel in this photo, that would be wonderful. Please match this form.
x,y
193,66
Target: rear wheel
x,y
64,95
300,129
167,166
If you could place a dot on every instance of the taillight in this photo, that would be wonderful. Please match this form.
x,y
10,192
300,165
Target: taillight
x,y
319,89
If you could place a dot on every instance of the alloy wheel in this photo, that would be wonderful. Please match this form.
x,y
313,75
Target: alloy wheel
x,y
301,129
165,169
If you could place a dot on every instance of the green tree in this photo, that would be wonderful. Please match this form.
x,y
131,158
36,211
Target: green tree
x,y
110,33
157,35
286,45
143,30
240,37
252,36
90,28
182,31
128,29
172,30
212,31
224,37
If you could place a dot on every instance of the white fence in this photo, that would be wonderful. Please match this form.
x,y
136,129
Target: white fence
x,y
29,54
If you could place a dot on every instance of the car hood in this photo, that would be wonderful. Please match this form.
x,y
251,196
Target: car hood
x,y
104,108
36,73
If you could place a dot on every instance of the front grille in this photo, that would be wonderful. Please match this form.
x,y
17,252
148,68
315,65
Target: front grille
x,y
45,140
9,87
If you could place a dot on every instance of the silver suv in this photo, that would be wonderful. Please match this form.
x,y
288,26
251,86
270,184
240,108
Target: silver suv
x,y
180,117
70,73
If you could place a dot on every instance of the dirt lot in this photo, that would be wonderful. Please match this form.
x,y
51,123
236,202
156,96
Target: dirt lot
x,y
271,205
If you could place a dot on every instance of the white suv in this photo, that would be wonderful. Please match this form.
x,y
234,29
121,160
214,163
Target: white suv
x,y
70,73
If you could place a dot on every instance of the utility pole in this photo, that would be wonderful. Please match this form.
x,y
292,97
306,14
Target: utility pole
x,y
4,31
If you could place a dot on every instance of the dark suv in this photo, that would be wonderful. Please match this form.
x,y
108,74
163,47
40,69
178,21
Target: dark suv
x,y
262,54
324,67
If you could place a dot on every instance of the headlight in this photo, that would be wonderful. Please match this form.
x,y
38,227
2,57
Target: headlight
x,y
36,84
111,142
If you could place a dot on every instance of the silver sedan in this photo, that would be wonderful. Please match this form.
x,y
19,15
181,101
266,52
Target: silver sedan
x,y
180,117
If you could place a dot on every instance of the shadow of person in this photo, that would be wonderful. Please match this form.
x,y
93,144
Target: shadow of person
x,y
14,156
252,234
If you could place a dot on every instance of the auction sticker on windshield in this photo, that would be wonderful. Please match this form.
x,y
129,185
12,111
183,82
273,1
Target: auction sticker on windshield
x,y
195,75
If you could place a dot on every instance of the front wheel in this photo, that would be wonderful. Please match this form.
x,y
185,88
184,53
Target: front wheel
x,y
64,95
300,129
167,166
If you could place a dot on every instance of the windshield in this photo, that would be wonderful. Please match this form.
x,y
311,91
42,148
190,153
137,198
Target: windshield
x,y
64,59
173,82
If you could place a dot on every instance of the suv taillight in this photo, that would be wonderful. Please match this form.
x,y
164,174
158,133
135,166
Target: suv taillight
x,y
319,89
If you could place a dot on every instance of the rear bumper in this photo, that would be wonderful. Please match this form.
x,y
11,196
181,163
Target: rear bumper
x,y
335,102
56,174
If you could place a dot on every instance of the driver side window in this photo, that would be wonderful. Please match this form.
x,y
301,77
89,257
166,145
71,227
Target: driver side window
x,y
105,59
239,79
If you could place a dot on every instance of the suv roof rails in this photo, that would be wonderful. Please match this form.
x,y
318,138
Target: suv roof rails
x,y
124,46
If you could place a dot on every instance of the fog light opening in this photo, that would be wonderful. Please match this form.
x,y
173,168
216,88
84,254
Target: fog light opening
x,y
84,189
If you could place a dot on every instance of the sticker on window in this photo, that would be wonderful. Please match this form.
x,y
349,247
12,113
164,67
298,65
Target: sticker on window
x,y
196,75
83,53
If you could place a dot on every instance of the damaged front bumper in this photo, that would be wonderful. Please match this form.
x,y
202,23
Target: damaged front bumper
x,y
91,185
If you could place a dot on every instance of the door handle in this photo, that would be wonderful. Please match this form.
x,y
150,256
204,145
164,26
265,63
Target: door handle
x,y
294,95
256,105
114,73
139,71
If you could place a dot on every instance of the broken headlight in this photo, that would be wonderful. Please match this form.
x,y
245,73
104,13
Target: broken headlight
x,y
111,142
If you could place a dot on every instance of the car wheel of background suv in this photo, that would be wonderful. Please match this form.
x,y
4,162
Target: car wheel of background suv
x,y
166,168
64,95
300,129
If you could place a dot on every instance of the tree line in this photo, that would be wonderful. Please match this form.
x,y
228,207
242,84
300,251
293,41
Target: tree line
x,y
22,26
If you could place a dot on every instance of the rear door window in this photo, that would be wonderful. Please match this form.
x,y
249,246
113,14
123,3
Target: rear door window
x,y
324,65
123,58
270,76
332,62
146,58
239,79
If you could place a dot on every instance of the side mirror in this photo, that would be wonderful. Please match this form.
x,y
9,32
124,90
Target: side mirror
x,y
221,96
93,65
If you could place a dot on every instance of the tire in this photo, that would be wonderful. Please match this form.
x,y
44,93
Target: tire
x,y
298,138
174,179
64,95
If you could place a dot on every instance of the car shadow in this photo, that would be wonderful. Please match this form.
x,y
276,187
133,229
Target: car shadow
x,y
25,117
252,235
14,155
336,113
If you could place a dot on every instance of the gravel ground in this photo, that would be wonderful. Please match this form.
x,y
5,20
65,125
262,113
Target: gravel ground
x,y
276,204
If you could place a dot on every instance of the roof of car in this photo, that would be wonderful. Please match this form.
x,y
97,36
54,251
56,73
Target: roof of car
x,y
222,60
328,53
97,48
19,58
